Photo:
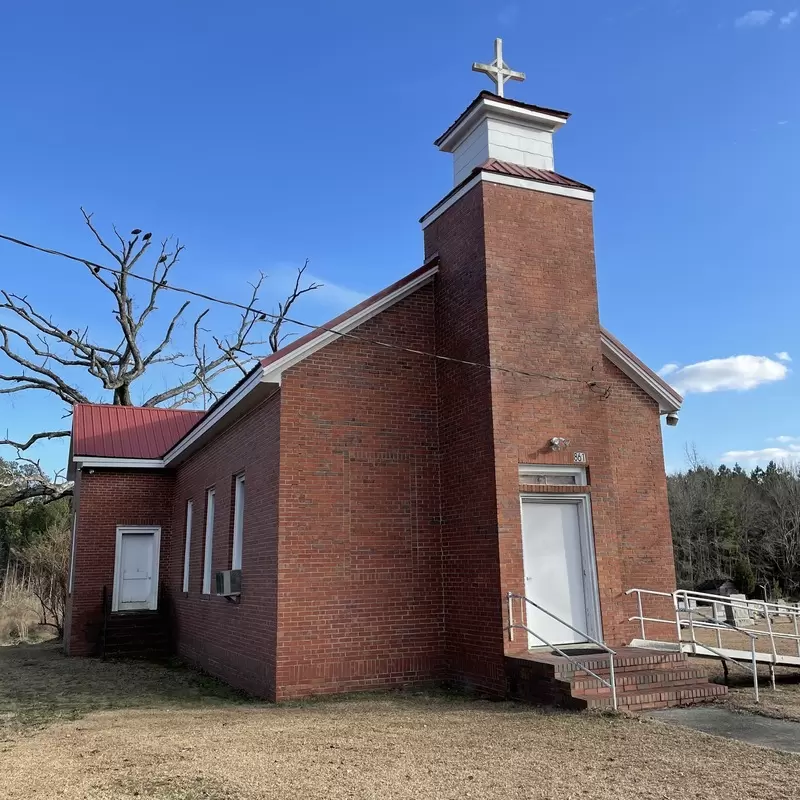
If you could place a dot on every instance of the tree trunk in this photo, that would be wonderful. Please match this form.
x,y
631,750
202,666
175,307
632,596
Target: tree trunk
x,y
122,395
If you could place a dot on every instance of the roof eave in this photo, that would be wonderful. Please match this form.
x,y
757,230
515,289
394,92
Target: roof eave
x,y
669,401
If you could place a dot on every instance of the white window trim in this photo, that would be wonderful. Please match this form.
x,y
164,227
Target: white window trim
x,y
152,603
73,546
239,501
588,557
187,548
533,470
209,540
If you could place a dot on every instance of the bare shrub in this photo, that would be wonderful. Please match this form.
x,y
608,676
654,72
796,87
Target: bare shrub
x,y
46,560
19,615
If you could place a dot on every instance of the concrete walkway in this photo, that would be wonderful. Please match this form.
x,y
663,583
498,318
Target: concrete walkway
x,y
777,734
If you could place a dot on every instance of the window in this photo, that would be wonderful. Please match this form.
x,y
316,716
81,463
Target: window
x,y
238,522
72,552
552,475
209,544
187,545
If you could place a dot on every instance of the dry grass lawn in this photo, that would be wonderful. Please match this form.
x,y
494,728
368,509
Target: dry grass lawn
x,y
73,728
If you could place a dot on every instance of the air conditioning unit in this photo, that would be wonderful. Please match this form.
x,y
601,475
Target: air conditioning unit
x,y
229,583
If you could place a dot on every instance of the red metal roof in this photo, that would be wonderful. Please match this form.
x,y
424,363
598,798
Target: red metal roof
x,y
128,431
541,175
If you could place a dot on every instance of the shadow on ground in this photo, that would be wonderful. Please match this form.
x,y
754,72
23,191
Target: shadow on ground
x,y
39,685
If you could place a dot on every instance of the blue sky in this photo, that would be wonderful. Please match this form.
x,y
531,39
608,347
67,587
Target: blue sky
x,y
263,135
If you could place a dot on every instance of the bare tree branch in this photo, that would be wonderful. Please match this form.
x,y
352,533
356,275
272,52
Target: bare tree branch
x,y
20,446
285,306
51,357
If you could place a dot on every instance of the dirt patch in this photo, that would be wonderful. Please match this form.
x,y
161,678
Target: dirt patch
x,y
172,741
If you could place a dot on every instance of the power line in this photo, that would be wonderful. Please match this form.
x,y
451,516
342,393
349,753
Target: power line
x,y
265,315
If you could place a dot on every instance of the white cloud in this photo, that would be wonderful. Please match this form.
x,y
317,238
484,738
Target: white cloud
x,y
737,373
787,19
333,294
785,439
752,458
668,369
754,19
783,356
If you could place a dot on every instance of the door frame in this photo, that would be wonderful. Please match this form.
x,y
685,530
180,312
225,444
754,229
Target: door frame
x,y
591,588
155,530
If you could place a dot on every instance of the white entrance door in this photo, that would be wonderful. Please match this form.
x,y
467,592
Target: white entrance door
x,y
136,572
559,569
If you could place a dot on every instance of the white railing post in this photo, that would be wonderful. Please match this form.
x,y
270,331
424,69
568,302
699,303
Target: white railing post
x,y
677,608
613,679
641,613
796,632
510,617
755,665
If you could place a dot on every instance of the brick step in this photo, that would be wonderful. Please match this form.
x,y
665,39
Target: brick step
x,y
569,671
621,659
666,698
631,681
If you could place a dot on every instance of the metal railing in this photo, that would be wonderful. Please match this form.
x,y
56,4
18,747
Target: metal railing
x,y
685,601
611,683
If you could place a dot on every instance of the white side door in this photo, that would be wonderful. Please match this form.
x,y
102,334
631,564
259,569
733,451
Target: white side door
x,y
559,570
136,569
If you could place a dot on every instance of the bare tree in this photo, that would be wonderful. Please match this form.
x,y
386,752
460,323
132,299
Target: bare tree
x,y
48,356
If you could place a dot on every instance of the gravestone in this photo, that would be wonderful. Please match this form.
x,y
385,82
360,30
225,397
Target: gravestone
x,y
738,615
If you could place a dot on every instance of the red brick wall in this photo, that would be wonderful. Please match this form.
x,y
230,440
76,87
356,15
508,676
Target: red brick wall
x,y
235,642
527,258
643,510
471,568
108,498
359,594
543,318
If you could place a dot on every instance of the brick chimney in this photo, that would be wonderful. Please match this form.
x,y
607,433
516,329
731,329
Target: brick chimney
x,y
516,289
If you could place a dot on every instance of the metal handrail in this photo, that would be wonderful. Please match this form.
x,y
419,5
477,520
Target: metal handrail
x,y
766,609
611,683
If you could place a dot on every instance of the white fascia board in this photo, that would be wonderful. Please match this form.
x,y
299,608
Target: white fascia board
x,y
505,180
668,402
497,109
273,372
437,211
215,415
85,462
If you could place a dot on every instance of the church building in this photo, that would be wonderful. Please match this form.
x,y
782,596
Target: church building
x,y
442,484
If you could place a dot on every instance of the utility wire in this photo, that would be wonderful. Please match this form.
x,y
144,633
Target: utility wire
x,y
265,315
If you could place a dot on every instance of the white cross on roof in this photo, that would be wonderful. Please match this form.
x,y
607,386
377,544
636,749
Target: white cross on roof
x,y
498,71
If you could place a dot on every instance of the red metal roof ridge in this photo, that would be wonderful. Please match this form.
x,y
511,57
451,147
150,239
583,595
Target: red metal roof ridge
x,y
487,95
565,181
653,375
143,408
532,173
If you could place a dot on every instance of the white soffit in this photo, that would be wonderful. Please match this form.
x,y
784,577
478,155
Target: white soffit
x,y
668,400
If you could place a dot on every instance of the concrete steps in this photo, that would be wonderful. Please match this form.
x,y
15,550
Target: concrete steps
x,y
645,680
136,634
